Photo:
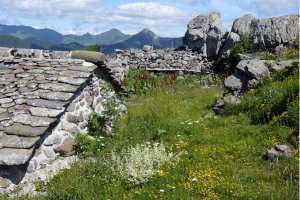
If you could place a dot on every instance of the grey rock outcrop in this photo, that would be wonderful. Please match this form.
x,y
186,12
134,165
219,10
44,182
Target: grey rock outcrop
x,y
269,33
204,34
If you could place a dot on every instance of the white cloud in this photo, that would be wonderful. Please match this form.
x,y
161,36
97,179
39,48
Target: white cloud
x,y
167,18
271,7
197,2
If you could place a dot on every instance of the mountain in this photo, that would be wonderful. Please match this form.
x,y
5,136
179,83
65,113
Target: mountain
x,y
49,35
145,37
109,37
32,43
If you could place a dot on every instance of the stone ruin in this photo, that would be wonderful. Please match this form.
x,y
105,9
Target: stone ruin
x,y
45,99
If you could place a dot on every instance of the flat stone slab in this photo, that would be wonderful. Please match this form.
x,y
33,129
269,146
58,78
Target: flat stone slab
x,y
71,80
45,112
25,130
58,87
10,156
46,103
33,120
60,96
17,142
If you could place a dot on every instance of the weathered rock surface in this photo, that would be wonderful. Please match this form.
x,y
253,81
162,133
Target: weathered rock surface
x,y
9,156
204,34
25,130
257,69
269,33
18,142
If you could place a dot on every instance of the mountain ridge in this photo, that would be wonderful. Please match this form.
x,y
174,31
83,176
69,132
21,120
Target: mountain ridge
x,y
29,37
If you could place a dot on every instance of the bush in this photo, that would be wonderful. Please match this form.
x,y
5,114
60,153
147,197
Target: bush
x,y
95,124
85,146
137,164
243,46
96,48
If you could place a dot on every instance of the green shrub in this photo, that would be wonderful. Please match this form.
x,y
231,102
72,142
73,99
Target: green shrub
x,y
243,46
86,146
95,124
286,72
293,113
96,48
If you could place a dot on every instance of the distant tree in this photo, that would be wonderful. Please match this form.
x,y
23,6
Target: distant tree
x,y
95,47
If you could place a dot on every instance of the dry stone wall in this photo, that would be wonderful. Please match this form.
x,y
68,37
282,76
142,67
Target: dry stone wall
x,y
162,60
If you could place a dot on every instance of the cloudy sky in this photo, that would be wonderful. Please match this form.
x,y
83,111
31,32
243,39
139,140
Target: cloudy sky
x,y
166,18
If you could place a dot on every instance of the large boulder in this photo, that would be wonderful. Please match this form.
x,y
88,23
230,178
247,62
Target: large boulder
x,y
268,33
237,82
243,25
204,34
257,69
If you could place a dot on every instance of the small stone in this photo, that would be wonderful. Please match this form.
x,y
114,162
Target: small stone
x,y
5,100
284,149
4,182
66,148
52,139
74,119
49,152
32,166
272,153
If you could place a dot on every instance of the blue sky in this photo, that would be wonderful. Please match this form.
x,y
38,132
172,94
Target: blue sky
x,y
166,18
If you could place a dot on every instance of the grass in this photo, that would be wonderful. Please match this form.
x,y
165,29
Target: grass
x,y
214,157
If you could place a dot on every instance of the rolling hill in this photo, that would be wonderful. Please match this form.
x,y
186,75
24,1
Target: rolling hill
x,y
32,43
